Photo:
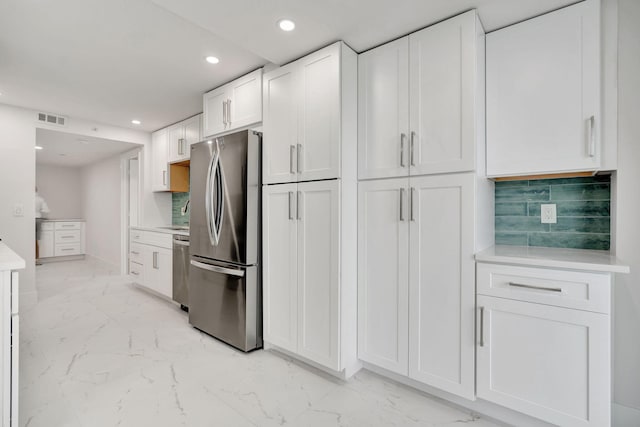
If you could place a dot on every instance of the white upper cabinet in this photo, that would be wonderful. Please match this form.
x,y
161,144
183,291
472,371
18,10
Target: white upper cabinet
x,y
383,111
180,137
543,94
420,98
280,125
159,159
308,113
235,105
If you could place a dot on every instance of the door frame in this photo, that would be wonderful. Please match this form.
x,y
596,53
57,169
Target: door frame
x,y
136,153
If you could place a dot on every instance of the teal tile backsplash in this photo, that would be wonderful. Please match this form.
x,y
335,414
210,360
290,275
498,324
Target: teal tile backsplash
x,y
583,208
178,200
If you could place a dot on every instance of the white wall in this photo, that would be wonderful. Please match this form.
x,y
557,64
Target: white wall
x,y
61,188
101,188
627,289
17,183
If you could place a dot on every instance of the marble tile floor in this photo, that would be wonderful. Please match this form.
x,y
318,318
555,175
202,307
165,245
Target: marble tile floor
x,y
98,351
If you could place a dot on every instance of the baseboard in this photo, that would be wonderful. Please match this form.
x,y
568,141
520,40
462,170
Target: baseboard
x,y
343,375
624,416
61,258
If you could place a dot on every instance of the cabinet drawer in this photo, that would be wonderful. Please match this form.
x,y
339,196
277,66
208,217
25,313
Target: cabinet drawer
x,y
137,272
71,236
135,253
136,235
67,249
163,240
47,226
68,225
571,289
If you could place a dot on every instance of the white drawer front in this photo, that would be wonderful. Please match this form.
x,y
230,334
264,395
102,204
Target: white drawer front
x,y
68,249
136,271
136,235
68,225
162,240
47,226
135,253
64,237
572,289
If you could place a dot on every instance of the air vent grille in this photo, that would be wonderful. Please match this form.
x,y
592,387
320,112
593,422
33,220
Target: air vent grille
x,y
52,119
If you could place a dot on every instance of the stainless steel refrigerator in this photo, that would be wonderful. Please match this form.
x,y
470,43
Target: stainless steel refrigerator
x,y
225,287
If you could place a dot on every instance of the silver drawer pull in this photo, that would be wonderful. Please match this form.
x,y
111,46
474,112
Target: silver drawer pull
x,y
540,288
135,273
68,249
67,237
481,326
135,253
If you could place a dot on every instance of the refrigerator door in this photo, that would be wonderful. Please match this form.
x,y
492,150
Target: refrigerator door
x,y
224,301
224,221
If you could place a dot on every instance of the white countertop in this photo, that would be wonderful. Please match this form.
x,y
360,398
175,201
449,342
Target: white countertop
x,y
10,260
574,259
62,220
161,229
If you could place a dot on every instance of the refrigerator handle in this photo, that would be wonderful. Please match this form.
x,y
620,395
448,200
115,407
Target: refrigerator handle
x,y
218,269
211,220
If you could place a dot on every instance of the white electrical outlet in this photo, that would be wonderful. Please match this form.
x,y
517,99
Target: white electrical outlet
x,y
18,209
548,214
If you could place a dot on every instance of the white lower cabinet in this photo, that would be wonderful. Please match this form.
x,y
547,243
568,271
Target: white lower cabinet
x,y
549,361
416,279
10,348
151,261
62,238
303,282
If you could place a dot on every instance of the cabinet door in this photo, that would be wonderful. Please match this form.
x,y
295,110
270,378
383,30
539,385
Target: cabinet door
x,y
442,282
319,121
159,161
244,98
318,272
46,244
383,111
280,291
175,142
192,132
214,112
551,363
543,93
280,137
442,96
383,274
158,270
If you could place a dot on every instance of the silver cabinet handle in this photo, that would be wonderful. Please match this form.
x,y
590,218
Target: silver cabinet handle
x,y
481,326
135,253
592,139
291,205
135,273
66,237
411,216
67,249
229,112
292,149
402,190
164,177
298,209
155,260
299,158
68,225
540,288
224,113
402,138
413,137
181,146
218,269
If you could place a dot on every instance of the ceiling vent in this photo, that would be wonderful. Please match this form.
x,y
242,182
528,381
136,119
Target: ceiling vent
x,y
52,119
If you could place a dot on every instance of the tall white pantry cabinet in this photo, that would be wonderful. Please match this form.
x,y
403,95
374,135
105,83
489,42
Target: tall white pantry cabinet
x,y
424,204
310,209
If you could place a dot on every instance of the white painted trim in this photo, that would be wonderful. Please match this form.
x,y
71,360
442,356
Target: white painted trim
x,y
624,416
124,203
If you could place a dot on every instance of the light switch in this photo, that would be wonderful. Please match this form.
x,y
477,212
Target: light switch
x,y
18,209
548,214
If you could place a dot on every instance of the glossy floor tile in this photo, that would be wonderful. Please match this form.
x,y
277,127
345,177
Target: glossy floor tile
x,y
98,351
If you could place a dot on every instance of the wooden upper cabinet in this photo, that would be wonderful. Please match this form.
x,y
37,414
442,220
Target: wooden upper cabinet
x,y
235,105
420,101
543,94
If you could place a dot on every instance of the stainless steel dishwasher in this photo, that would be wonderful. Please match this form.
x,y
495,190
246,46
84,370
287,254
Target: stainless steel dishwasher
x,y
181,270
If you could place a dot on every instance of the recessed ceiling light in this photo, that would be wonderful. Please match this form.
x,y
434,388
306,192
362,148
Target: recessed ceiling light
x,y
212,60
286,25
135,122
38,147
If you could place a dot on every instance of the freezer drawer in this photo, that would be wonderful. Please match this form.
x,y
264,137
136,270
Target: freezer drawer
x,y
226,302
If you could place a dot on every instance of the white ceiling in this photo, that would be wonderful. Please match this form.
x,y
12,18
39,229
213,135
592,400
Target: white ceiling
x,y
115,60
71,150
